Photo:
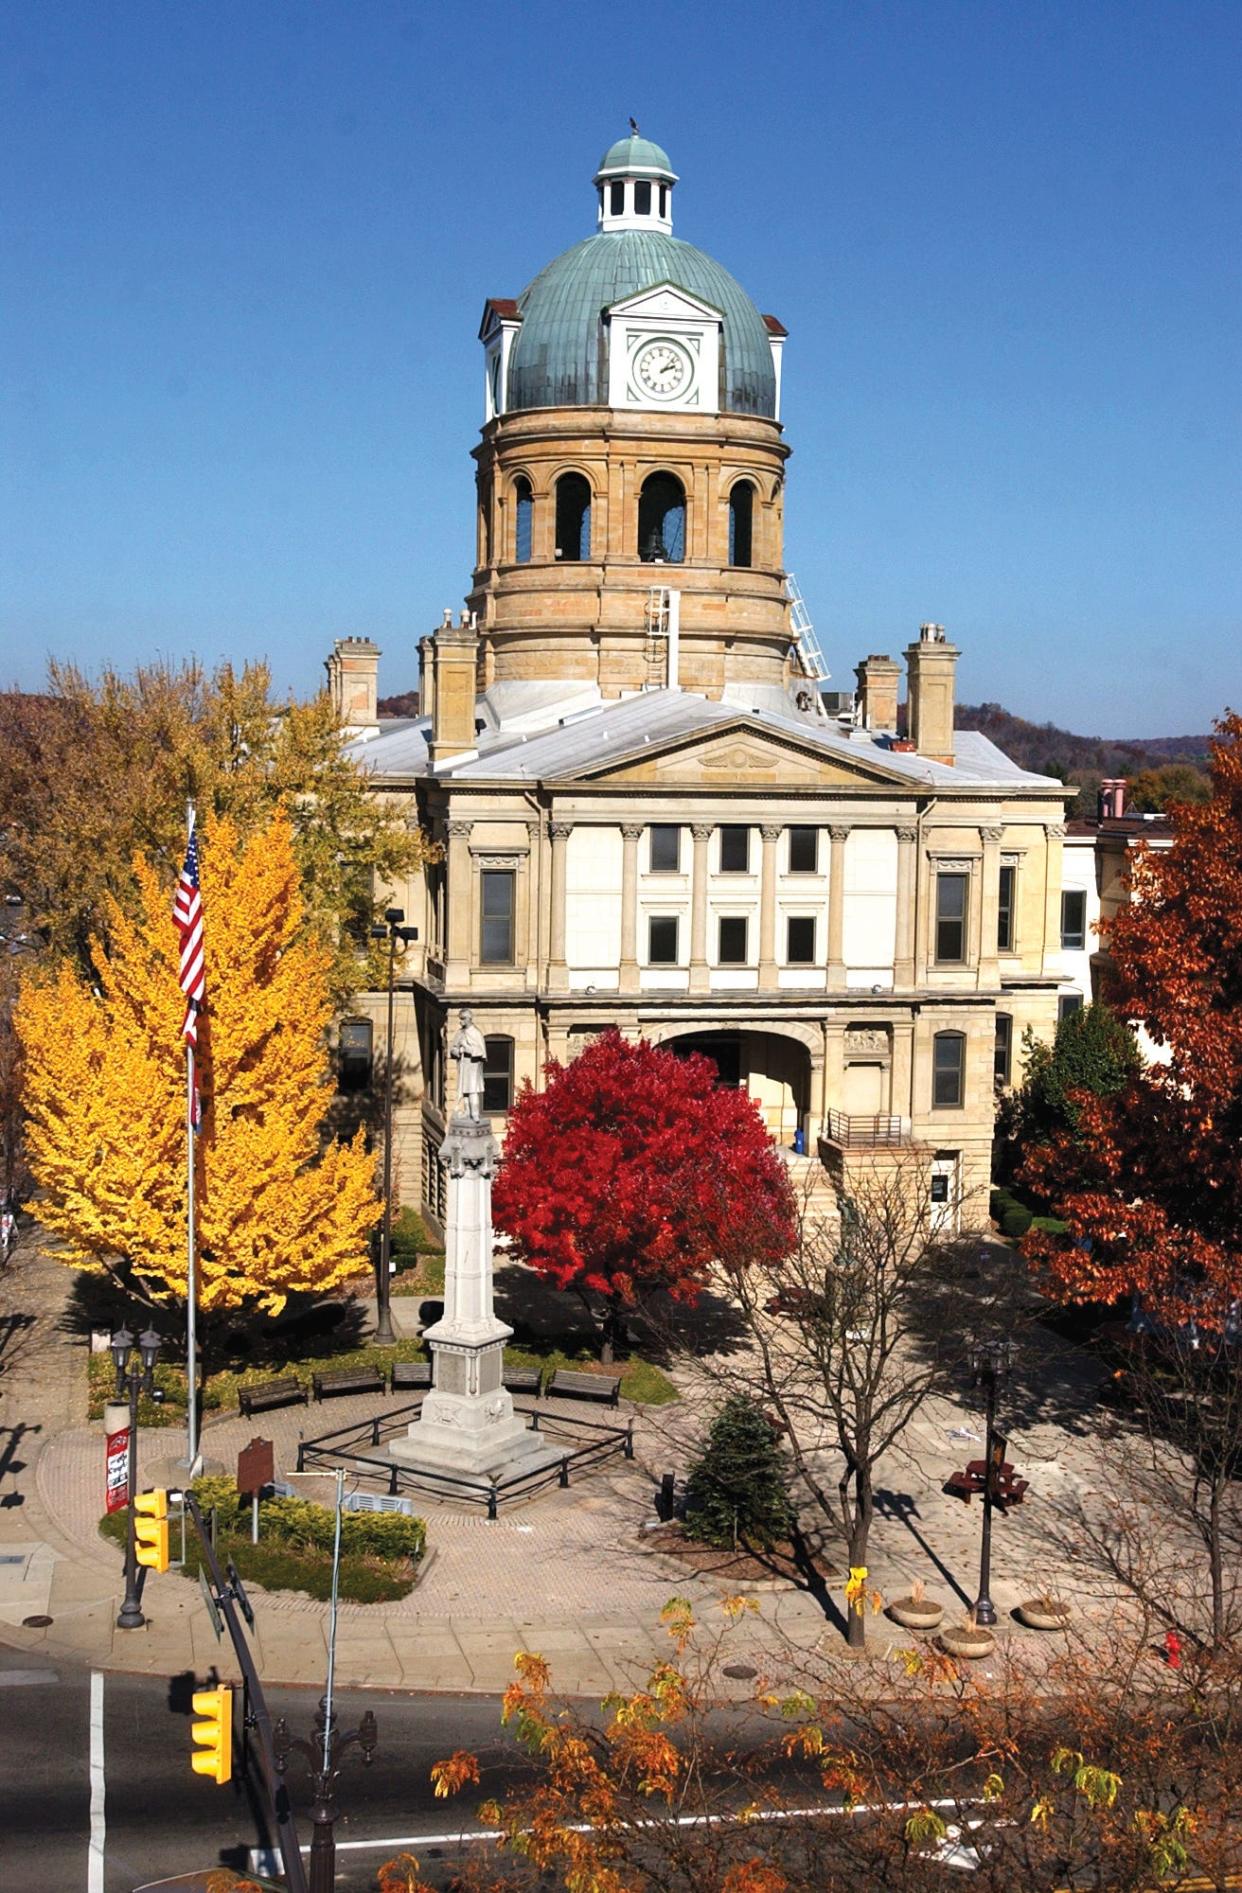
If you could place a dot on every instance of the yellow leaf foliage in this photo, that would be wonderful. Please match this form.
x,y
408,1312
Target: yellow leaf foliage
x,y
277,1212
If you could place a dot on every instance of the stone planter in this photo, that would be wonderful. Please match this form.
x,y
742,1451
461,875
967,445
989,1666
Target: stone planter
x,y
972,1643
922,1614
1043,1613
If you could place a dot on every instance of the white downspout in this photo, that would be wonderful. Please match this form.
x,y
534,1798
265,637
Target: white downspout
x,y
674,638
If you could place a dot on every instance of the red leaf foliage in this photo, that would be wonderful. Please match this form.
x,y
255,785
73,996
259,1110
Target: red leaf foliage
x,y
1152,1179
635,1170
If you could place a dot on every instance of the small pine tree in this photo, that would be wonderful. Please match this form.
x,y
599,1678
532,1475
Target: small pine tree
x,y
738,1491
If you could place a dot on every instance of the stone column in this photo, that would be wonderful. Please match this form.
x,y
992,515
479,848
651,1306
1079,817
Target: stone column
x,y
460,897
989,907
631,834
558,972
836,906
767,908
1054,835
907,906
701,834
533,903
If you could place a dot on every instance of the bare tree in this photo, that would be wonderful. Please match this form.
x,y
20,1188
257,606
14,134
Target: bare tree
x,y
846,1341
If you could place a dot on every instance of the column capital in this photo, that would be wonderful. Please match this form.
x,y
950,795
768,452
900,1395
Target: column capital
x,y
560,831
907,834
702,831
458,831
631,831
771,833
992,833
1055,831
839,831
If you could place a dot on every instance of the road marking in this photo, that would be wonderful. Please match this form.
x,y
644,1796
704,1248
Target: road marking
x,y
755,1817
26,1679
95,1855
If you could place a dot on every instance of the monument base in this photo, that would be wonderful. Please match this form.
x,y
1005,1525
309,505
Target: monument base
x,y
466,1423
495,1455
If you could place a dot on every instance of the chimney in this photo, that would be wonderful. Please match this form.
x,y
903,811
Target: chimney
x,y
353,681
1112,798
427,676
454,667
877,692
931,666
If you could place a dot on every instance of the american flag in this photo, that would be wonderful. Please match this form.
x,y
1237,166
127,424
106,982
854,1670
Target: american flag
x,y
188,915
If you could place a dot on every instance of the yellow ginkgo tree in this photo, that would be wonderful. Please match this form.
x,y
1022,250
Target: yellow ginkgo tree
x,y
279,1209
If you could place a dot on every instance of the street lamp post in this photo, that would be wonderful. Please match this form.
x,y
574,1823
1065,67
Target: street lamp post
x,y
323,1754
131,1383
395,934
989,1361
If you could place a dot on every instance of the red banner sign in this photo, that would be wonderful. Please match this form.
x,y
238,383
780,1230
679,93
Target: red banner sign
x,y
116,1470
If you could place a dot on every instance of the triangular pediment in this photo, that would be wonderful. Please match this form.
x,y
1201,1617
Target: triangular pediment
x,y
665,302
741,756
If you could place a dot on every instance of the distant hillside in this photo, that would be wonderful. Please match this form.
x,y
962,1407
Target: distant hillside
x,y
404,705
1055,752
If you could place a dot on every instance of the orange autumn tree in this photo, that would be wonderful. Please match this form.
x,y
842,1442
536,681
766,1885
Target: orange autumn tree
x,y
278,1211
1149,1181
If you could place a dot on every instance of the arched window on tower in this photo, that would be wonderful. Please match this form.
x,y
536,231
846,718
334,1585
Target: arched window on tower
x,y
573,517
662,519
741,523
524,508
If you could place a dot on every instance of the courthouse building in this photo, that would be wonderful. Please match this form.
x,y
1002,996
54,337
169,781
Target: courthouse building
x,y
650,814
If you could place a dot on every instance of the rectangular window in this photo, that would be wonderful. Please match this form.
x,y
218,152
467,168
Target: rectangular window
x,y
354,1055
735,851
733,939
662,940
1074,917
804,851
665,849
1002,1057
642,199
800,940
948,1069
497,901
664,200
498,1077
1067,1003
1005,910
616,199
951,919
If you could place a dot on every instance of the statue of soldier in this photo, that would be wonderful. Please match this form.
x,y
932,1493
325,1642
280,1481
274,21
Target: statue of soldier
x,y
470,1053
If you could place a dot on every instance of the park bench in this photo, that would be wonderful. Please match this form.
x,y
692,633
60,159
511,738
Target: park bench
x,y
411,1374
522,1379
603,1387
349,1380
271,1393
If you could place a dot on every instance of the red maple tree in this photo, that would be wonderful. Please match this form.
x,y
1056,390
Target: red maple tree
x,y
1150,1182
635,1171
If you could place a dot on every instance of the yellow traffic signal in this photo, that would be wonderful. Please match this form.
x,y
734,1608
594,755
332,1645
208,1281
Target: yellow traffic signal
x,y
151,1529
214,1735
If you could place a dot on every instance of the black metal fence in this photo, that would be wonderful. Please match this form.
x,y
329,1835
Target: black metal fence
x,y
341,1448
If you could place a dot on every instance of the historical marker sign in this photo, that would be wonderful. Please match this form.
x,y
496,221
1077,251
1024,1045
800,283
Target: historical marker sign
x,y
256,1467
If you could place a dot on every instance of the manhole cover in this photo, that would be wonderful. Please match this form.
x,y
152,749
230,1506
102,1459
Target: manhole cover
x,y
35,1623
740,1672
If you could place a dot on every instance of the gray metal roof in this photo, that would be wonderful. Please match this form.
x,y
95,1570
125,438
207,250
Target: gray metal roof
x,y
558,358
638,155
611,732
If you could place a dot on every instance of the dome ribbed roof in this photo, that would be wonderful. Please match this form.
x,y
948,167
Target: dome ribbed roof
x,y
636,154
560,357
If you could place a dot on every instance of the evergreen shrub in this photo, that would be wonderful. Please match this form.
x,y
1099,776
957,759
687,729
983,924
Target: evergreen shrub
x,y
738,1490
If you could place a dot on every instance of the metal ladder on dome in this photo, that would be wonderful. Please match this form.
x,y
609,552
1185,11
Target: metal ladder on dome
x,y
663,616
810,656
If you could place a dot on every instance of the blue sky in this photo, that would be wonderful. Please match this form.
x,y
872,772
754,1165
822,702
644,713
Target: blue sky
x,y
247,247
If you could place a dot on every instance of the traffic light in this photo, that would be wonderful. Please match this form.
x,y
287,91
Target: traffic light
x,y
213,1736
151,1529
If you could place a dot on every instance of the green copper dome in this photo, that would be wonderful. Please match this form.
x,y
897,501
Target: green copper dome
x,y
636,154
560,355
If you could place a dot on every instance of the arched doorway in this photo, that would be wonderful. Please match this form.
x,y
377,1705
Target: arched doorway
x,y
775,1070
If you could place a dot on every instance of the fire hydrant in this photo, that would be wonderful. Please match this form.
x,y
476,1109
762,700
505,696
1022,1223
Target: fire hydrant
x,y
1172,1649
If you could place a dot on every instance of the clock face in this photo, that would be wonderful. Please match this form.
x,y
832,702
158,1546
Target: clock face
x,y
663,370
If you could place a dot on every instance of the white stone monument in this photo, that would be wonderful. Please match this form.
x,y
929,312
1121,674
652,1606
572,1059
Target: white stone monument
x,y
467,1423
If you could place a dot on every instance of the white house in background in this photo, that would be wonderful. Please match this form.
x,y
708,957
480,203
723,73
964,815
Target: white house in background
x,y
1097,858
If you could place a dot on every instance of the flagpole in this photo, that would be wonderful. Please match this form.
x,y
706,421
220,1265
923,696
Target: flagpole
x,y
191,1285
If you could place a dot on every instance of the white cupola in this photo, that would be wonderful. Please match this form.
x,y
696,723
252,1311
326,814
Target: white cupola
x,y
635,184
